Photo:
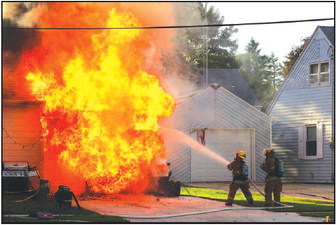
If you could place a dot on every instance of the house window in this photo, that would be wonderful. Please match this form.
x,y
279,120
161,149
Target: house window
x,y
310,145
319,73
311,140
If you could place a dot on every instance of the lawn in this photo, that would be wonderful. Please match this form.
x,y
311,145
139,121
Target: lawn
x,y
303,206
73,215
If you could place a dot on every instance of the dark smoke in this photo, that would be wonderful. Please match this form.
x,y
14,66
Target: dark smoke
x,y
18,40
21,9
14,43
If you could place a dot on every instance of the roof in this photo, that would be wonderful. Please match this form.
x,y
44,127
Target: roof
x,y
217,87
329,33
233,81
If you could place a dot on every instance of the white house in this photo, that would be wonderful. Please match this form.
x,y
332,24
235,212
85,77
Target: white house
x,y
302,113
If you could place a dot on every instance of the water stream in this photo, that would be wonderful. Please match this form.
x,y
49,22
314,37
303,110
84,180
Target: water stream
x,y
178,136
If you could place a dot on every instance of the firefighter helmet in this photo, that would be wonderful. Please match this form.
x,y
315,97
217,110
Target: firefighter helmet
x,y
269,151
241,154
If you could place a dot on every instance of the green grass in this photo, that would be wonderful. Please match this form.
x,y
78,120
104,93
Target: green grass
x,y
9,207
303,206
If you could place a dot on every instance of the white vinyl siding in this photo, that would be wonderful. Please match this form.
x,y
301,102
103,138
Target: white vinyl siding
x,y
299,104
215,109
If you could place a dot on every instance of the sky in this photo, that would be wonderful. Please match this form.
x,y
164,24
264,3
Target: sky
x,y
278,38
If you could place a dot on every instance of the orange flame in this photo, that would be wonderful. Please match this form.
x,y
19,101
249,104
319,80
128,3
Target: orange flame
x,y
101,104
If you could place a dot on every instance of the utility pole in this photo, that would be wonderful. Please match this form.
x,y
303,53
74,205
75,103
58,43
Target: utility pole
x,y
205,48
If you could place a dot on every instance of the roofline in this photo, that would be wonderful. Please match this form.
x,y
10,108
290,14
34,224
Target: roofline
x,y
185,97
257,101
275,99
332,44
248,104
215,88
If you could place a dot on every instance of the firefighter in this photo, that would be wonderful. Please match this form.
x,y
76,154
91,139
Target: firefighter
x,y
273,178
240,173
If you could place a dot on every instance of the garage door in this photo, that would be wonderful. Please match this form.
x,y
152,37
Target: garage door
x,y
225,143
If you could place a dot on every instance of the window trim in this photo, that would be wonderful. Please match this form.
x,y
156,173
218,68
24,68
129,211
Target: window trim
x,y
319,73
302,140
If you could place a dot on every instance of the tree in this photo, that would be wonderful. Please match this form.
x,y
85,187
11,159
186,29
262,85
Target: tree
x,y
293,56
221,48
190,43
262,72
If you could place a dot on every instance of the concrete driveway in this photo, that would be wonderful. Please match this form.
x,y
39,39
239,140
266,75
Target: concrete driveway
x,y
142,208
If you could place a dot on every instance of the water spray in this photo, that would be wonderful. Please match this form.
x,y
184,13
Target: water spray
x,y
182,137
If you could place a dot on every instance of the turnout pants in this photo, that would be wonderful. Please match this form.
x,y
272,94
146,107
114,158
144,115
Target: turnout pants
x,y
273,186
244,186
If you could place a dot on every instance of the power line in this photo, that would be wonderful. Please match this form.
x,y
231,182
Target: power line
x,y
170,27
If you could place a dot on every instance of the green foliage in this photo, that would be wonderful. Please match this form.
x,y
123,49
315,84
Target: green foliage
x,y
294,55
188,57
262,72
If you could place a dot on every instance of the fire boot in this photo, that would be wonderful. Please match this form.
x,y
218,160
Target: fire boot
x,y
250,200
229,201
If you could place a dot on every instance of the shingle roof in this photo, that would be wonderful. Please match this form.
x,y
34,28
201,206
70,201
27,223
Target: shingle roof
x,y
233,81
329,32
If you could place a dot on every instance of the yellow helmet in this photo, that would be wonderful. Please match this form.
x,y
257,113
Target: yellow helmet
x,y
241,154
268,151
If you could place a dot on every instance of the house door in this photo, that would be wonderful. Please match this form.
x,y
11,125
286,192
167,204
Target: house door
x,y
225,143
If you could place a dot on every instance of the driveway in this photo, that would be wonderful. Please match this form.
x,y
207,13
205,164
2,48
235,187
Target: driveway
x,y
146,208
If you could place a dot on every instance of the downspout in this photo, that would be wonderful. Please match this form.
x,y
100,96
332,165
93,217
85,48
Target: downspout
x,y
331,54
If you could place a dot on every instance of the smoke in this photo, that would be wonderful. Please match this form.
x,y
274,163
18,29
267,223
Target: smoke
x,y
154,14
180,74
25,14
17,15
17,41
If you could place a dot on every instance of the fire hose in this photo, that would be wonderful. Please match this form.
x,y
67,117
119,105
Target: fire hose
x,y
214,210
18,192
36,193
22,200
278,203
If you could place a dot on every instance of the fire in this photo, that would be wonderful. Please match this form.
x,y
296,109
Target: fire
x,y
101,102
